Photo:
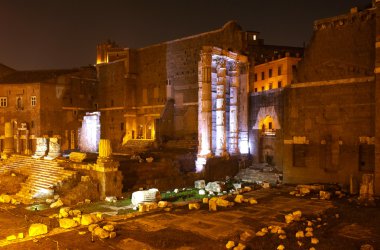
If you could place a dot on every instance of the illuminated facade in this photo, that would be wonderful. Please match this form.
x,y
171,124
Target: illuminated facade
x,y
223,105
274,74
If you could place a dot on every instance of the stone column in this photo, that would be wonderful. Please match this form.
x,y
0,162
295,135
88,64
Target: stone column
x,y
234,97
221,108
243,105
27,148
377,100
72,139
204,108
105,149
18,146
8,139
205,104
54,149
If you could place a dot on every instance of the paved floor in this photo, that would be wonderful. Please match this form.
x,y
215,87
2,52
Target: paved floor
x,y
200,229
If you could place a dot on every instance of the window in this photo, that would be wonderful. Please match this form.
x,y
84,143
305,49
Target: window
x,y
255,77
270,125
262,88
33,100
279,70
270,85
255,89
122,126
262,75
279,84
254,37
3,101
270,73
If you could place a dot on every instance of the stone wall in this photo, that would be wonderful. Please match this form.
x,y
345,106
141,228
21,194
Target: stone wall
x,y
341,47
323,126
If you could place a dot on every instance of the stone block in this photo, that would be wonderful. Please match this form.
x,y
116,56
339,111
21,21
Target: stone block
x,y
230,244
151,195
112,235
239,198
67,223
162,204
88,219
300,234
85,178
314,241
200,184
92,227
324,195
194,206
4,198
212,205
56,204
11,237
37,229
101,233
109,227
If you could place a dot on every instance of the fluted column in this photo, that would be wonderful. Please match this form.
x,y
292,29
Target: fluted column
x,y
8,139
377,99
205,104
221,108
234,98
105,149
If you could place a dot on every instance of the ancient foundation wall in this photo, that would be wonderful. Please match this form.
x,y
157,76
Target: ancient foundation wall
x,y
329,131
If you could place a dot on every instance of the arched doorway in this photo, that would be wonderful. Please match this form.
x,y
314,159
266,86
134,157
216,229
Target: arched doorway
x,y
267,135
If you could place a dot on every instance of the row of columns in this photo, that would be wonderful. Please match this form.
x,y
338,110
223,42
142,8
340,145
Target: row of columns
x,y
205,104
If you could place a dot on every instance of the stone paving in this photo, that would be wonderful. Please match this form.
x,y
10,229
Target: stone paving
x,y
242,217
217,226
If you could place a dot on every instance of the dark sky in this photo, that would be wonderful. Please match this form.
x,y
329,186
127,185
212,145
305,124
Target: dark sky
x,y
52,34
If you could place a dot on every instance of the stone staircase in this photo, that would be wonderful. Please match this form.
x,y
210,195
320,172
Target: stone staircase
x,y
43,176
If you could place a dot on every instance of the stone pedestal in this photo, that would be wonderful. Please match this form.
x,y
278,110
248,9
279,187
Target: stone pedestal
x,y
54,149
41,148
8,139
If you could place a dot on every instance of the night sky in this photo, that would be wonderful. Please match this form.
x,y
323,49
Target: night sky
x,y
53,34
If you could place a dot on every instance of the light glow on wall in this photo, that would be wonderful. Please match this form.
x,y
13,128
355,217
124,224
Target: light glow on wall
x,y
244,147
200,163
90,133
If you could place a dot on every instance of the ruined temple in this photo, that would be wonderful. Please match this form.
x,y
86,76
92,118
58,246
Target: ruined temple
x,y
311,113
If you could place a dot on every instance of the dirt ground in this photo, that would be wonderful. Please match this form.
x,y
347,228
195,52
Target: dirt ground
x,y
344,225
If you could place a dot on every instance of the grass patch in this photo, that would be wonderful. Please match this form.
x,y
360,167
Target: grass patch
x,y
183,195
